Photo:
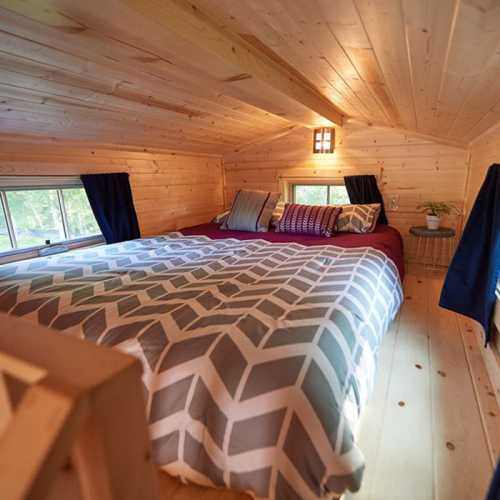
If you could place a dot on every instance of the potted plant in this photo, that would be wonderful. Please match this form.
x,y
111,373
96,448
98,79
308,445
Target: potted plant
x,y
435,210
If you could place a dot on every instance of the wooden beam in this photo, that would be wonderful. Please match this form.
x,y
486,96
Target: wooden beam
x,y
188,22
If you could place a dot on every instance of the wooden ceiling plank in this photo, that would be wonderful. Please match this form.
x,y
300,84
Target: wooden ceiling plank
x,y
249,17
119,103
50,146
57,81
348,31
231,106
15,98
293,42
193,25
480,109
44,14
44,127
91,46
195,67
262,140
40,105
309,45
122,115
426,66
23,49
411,133
428,25
475,39
321,46
383,25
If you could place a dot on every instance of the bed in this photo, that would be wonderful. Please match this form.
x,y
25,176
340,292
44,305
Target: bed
x,y
259,349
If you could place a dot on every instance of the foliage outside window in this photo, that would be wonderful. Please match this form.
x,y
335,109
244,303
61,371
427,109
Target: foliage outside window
x,y
31,215
320,194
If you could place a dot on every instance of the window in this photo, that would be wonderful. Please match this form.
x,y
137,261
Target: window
x,y
36,209
320,194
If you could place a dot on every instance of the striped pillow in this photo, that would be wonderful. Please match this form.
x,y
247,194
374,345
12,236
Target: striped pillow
x,y
251,211
358,218
319,220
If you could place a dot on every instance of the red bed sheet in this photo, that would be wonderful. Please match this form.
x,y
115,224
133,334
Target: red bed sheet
x,y
384,238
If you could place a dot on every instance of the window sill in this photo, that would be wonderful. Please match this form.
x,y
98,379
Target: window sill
x,y
32,252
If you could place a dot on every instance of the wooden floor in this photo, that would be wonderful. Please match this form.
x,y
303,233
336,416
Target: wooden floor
x,y
431,430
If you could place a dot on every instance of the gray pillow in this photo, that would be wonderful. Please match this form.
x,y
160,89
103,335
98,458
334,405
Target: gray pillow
x,y
251,211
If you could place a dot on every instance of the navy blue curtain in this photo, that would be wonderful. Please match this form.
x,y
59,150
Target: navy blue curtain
x,y
111,201
494,491
363,189
469,287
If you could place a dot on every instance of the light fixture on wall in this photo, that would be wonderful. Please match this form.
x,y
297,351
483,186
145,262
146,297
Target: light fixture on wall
x,y
324,140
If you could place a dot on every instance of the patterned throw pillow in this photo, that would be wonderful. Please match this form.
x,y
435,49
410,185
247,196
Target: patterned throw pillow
x,y
309,219
251,211
358,218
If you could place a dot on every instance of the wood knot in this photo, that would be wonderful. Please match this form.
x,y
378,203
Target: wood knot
x,y
442,373
401,403
418,366
450,445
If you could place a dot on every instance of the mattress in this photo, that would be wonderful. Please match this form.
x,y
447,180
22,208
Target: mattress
x,y
258,355
384,238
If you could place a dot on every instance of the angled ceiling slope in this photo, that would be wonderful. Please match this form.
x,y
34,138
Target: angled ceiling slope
x,y
211,75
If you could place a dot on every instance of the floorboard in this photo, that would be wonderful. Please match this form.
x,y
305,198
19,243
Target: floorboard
x,y
430,430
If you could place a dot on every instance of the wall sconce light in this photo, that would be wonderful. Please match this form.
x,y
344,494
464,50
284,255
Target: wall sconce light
x,y
324,140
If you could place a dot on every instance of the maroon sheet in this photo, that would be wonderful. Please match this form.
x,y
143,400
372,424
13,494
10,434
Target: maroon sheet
x,y
384,238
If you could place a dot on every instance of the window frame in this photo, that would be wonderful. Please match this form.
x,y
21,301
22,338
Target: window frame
x,y
30,183
287,185
322,184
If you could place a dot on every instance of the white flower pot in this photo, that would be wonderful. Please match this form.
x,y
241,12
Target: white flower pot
x,y
433,221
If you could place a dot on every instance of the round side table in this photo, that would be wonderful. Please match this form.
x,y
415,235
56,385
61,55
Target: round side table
x,y
439,244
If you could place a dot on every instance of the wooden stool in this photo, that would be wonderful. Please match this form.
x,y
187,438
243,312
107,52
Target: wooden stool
x,y
440,242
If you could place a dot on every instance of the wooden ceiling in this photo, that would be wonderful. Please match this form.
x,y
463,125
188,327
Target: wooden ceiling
x,y
215,75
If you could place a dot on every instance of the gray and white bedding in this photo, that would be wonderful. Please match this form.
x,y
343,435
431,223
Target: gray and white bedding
x,y
258,356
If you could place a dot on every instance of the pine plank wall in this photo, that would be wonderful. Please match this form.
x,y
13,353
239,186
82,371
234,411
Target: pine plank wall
x,y
177,189
484,151
170,189
412,168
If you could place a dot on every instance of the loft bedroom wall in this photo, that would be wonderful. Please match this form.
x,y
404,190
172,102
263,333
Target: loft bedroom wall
x,y
410,169
171,189
484,151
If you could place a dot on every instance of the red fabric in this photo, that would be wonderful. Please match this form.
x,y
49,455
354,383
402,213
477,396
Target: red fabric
x,y
316,220
383,238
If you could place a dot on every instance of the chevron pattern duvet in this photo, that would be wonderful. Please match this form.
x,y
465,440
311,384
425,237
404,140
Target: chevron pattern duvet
x,y
257,356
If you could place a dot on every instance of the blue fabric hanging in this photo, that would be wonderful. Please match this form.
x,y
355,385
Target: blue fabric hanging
x,y
494,490
110,198
469,287
363,189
